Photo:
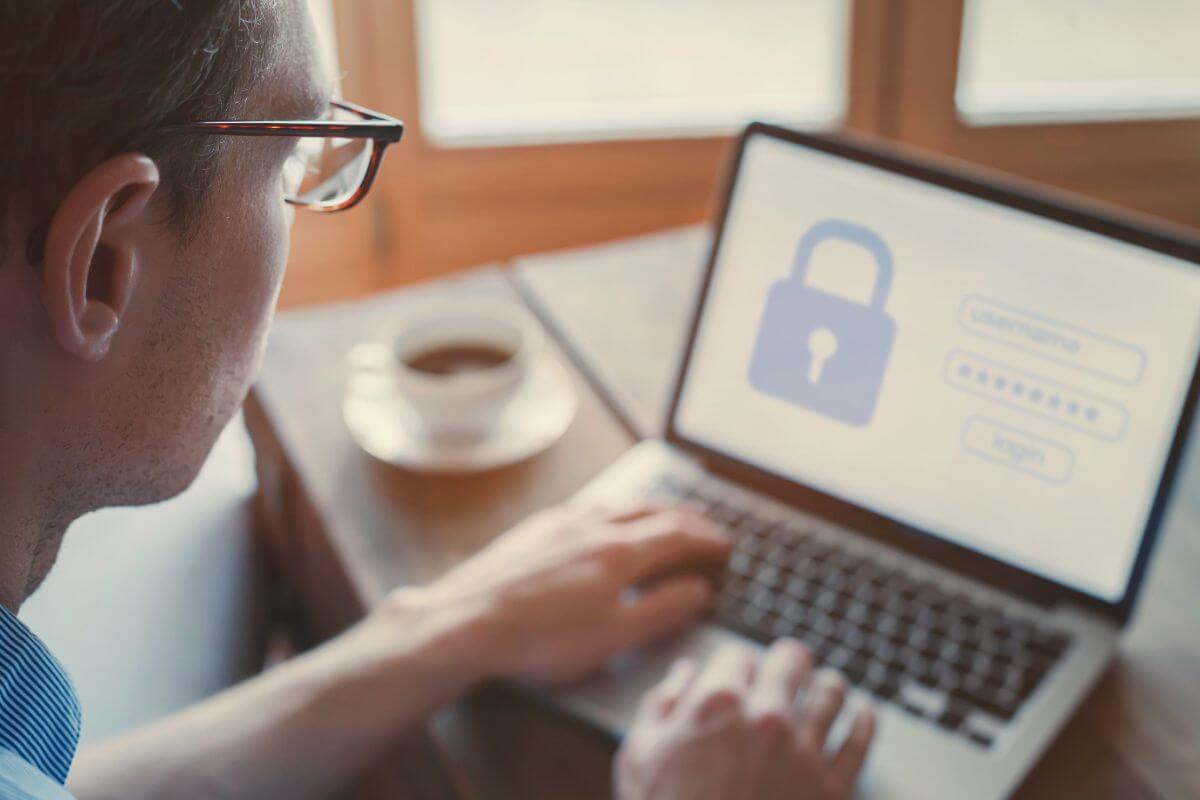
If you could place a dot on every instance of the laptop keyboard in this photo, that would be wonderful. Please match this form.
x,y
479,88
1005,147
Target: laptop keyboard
x,y
962,664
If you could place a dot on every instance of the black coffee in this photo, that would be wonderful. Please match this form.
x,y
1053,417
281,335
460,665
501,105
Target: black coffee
x,y
457,359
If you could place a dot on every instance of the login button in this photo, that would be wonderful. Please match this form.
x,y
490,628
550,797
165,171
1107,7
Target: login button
x,y
1004,445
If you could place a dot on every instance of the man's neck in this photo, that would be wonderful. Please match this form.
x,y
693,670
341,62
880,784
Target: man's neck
x,y
32,526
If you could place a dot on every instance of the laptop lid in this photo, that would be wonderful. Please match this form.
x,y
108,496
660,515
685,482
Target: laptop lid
x,y
997,380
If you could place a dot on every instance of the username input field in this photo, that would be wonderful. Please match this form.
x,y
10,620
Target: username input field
x,y
1055,341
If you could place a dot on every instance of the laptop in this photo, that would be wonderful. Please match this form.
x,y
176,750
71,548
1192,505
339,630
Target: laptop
x,y
940,416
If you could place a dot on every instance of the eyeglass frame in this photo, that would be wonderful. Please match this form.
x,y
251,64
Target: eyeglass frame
x,y
381,129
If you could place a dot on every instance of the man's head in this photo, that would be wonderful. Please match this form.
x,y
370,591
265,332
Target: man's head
x,y
137,270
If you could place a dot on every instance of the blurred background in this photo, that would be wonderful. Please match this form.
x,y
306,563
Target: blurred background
x,y
542,124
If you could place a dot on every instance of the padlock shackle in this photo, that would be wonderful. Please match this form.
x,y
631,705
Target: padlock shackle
x,y
840,229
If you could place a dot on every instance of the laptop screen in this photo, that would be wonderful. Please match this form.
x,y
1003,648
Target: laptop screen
x,y
1006,382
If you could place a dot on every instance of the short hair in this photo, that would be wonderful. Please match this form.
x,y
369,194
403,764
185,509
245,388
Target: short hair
x,y
84,80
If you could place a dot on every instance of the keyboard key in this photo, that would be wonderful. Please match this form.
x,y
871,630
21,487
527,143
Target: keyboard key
x,y
946,680
1025,682
809,570
822,647
795,611
1000,703
858,613
883,651
954,715
931,649
914,663
922,701
823,624
995,673
740,563
851,635
800,588
752,616
1051,643
886,690
980,738
767,575
817,552
782,626
762,597
953,654
1021,629
889,626
876,672
866,593
834,579
777,554
855,670
751,546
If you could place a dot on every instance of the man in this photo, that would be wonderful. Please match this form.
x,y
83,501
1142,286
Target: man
x,y
138,270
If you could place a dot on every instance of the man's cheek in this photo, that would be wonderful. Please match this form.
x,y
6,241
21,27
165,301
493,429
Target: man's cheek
x,y
271,267
277,228
268,253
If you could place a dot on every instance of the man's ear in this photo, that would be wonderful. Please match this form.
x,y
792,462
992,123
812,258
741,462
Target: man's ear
x,y
91,256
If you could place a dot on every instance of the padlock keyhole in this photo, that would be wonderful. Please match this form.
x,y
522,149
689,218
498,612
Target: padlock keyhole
x,y
822,345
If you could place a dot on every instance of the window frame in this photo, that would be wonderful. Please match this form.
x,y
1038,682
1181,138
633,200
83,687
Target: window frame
x,y
439,209
1147,165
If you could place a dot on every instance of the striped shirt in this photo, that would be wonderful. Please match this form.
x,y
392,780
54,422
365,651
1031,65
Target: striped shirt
x,y
39,712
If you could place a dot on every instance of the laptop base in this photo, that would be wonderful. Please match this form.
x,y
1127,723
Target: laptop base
x,y
912,756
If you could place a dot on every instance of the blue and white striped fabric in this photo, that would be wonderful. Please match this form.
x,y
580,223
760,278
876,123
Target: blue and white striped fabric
x,y
39,712
20,780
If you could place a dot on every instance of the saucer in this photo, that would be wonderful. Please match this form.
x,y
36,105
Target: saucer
x,y
386,426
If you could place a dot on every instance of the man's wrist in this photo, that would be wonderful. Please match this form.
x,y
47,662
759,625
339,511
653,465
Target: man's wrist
x,y
450,641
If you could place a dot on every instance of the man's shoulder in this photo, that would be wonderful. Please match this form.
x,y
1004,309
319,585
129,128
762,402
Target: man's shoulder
x,y
20,780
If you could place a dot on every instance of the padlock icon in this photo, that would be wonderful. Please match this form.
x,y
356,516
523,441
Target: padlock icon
x,y
822,352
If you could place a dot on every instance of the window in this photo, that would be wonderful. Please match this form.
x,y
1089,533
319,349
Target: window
x,y
544,70
543,124
1027,61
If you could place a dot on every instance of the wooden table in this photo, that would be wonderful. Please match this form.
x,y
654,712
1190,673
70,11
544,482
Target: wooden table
x,y
343,530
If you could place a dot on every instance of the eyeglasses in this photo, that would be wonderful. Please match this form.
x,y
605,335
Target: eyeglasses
x,y
332,168
335,160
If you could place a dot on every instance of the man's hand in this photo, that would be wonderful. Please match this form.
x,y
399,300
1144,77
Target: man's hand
x,y
548,601
733,729
553,598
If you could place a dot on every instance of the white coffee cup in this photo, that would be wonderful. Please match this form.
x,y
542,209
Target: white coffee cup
x,y
461,396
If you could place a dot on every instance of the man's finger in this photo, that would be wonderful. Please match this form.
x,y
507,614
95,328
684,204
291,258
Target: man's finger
x,y
721,686
826,695
620,512
662,609
669,540
785,668
847,762
663,698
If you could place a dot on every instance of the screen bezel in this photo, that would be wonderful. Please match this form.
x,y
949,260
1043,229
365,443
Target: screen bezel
x,y
927,544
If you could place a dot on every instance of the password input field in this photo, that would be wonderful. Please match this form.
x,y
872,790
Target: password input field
x,y
1056,341
1036,395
